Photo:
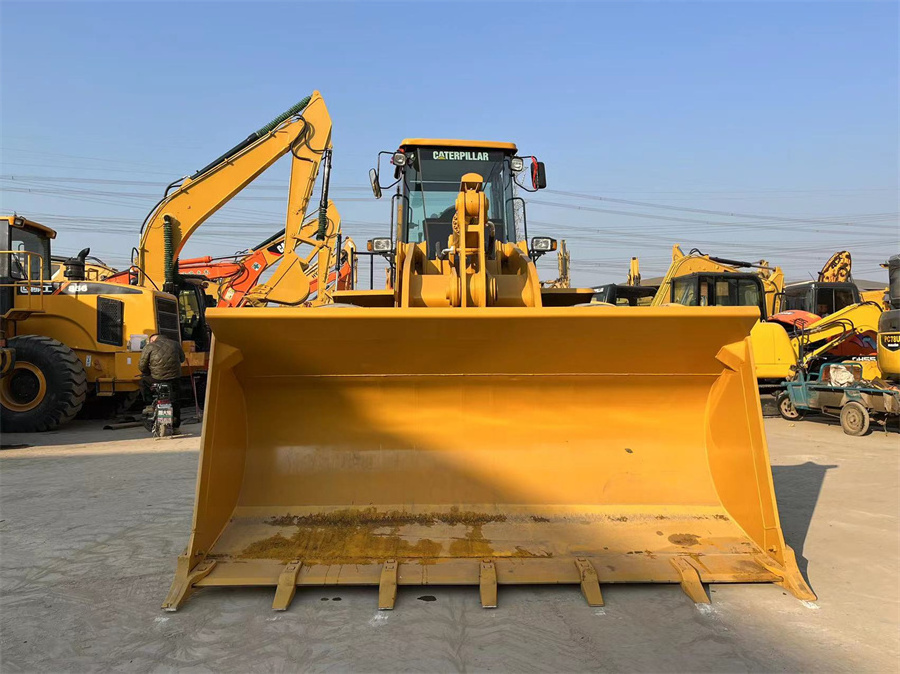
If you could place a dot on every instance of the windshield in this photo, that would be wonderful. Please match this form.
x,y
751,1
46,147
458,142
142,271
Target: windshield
x,y
432,180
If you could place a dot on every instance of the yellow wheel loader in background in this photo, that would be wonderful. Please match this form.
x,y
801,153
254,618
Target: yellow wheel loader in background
x,y
67,340
404,437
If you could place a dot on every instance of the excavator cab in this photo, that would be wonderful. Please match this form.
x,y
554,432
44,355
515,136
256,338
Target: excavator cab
x,y
732,289
819,297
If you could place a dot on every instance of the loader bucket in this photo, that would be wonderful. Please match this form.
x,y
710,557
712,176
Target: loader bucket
x,y
385,447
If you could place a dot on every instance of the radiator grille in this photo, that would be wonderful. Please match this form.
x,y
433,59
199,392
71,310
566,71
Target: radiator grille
x,y
167,322
110,321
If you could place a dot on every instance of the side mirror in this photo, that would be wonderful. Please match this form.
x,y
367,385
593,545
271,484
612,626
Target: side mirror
x,y
538,175
373,179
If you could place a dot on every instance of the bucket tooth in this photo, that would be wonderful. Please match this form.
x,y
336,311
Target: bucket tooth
x,y
791,578
287,586
185,577
690,580
590,582
387,587
488,584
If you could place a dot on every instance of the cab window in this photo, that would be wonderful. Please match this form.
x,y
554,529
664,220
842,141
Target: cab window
x,y
30,257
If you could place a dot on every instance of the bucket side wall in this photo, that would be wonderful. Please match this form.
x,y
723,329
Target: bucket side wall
x,y
738,453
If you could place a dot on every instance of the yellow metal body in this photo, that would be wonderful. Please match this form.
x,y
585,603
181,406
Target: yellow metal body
x,y
634,272
69,315
563,261
837,269
889,345
413,445
878,296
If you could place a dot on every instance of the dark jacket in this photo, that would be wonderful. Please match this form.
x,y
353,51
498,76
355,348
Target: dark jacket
x,y
162,359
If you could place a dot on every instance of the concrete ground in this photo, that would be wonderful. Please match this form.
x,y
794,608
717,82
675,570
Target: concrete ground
x,y
92,521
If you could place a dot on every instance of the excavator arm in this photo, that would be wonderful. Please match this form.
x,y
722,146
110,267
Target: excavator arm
x,y
304,131
238,277
306,260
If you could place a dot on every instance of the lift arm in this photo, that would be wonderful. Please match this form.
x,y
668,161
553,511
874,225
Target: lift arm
x,y
304,130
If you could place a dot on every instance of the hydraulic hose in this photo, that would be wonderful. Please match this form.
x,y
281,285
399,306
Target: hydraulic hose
x,y
256,135
323,204
168,256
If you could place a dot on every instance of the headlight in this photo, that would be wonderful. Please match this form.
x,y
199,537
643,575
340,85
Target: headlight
x,y
399,159
517,164
379,245
543,244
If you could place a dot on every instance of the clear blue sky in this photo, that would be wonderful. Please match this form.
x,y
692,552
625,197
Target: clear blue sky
x,y
770,108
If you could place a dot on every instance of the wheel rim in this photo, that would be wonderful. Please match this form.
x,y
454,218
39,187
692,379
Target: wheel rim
x,y
24,388
788,409
854,419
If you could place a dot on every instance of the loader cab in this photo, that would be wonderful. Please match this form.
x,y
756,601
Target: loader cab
x,y
24,257
820,298
428,174
720,289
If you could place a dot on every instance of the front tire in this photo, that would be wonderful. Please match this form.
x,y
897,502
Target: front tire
x,y
786,408
45,389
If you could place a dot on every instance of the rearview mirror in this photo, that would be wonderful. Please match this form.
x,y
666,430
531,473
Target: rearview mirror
x,y
373,179
538,175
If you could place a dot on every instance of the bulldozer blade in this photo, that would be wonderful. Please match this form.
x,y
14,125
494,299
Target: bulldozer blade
x,y
390,447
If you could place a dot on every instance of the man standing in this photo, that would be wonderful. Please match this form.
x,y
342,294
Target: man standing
x,y
161,361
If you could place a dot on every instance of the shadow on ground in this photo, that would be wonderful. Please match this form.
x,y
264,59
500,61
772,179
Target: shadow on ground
x,y
797,490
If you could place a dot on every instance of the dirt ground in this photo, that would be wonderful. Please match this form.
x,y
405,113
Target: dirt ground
x,y
92,522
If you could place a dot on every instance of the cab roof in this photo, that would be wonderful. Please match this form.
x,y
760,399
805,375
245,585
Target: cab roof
x,y
450,142
25,223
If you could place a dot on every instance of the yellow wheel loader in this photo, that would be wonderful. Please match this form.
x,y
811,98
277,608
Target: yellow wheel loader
x,y
404,436
66,340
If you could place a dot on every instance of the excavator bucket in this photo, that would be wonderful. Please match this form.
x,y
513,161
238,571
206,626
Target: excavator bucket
x,y
486,447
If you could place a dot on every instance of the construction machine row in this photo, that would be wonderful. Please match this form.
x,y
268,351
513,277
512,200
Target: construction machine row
x,y
465,425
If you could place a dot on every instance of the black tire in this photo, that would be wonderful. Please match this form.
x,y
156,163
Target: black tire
x,y
46,388
854,419
786,408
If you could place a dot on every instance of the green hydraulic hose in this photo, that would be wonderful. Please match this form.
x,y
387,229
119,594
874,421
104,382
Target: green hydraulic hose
x,y
256,135
168,257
